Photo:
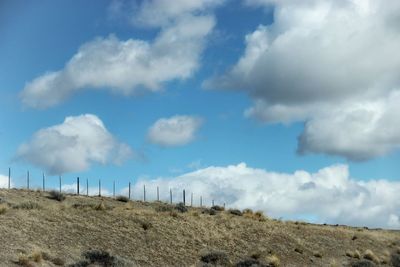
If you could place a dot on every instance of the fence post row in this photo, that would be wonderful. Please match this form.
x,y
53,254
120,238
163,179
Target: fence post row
x,y
114,188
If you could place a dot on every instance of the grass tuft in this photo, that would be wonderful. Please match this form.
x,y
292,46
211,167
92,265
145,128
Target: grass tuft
x,y
3,208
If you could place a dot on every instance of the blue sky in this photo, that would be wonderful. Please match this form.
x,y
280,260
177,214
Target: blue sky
x,y
217,89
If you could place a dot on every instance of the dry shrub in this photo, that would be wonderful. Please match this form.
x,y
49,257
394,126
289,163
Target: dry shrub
x,y
217,208
247,211
357,254
363,263
181,207
37,256
24,260
273,261
395,259
102,258
249,263
56,195
3,208
235,212
100,206
122,198
58,261
369,255
317,254
218,258
164,208
209,211
173,214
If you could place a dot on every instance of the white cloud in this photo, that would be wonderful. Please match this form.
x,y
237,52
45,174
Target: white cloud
x,y
155,13
330,195
4,181
127,67
316,56
174,131
73,146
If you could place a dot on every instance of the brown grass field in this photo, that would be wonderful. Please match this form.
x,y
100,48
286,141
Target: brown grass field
x,y
36,230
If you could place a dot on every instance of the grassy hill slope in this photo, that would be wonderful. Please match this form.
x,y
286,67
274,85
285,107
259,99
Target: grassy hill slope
x,y
38,231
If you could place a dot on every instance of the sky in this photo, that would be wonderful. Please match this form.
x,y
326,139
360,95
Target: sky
x,y
289,107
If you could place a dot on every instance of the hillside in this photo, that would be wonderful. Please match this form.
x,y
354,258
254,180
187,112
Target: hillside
x,y
38,231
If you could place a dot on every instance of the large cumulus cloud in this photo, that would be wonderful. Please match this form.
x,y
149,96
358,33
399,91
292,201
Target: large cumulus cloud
x,y
319,62
330,195
73,146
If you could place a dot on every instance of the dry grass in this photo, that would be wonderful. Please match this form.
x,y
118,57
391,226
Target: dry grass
x,y
157,234
3,208
369,255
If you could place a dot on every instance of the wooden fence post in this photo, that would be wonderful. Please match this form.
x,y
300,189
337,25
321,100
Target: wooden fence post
x,y
129,193
9,178
60,182
191,199
77,185
184,198
99,187
170,196
87,187
44,185
201,201
114,188
27,179
144,193
158,194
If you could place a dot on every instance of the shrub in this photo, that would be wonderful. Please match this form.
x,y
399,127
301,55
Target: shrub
x,y
235,212
369,255
218,258
247,211
209,211
395,259
58,261
100,206
181,207
28,205
56,195
250,263
103,258
122,198
217,208
173,214
363,263
37,256
146,225
317,254
273,261
23,260
3,208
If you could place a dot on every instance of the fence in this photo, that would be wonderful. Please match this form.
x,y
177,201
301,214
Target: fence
x,y
130,192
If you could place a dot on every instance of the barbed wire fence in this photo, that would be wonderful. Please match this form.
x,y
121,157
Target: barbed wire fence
x,y
172,198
